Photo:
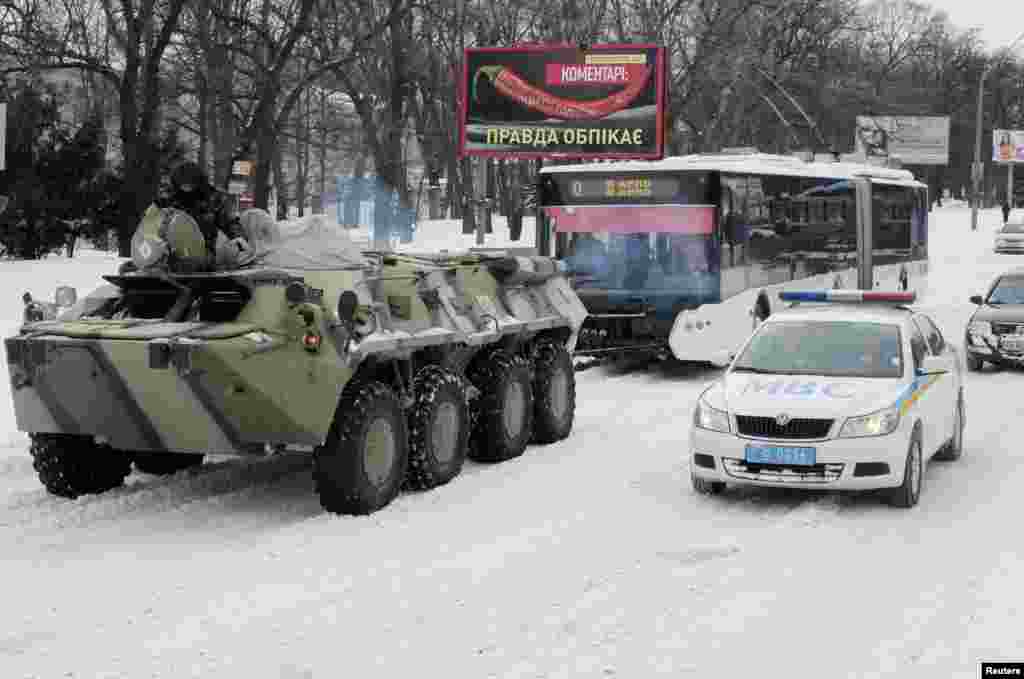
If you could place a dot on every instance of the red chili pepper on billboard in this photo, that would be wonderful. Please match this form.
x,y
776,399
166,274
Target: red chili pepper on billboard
x,y
509,83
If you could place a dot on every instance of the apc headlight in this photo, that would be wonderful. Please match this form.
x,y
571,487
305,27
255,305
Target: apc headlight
x,y
706,417
877,423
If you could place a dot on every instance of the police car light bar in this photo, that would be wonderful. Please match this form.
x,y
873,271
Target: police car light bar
x,y
847,296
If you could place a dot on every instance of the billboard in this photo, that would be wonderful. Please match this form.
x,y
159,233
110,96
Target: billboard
x,y
543,101
1008,146
915,140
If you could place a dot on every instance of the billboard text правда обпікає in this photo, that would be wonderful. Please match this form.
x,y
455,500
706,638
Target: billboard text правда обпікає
x,y
561,101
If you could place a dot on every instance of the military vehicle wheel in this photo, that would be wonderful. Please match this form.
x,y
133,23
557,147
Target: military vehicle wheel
x,y
438,428
504,418
70,466
554,392
165,463
362,464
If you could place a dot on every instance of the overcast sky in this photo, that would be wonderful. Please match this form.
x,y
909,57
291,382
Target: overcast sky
x,y
1000,21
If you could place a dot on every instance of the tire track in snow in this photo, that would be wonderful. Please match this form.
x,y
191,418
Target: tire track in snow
x,y
212,482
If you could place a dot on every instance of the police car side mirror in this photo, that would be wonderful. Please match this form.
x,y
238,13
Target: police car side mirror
x,y
976,299
933,365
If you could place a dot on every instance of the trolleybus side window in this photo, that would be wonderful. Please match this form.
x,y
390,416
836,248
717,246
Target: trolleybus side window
x,y
733,220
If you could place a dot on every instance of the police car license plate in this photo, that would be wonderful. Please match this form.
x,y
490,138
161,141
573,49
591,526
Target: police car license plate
x,y
780,455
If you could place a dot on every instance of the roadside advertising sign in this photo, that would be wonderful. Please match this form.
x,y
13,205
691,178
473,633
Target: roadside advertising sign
x,y
543,101
915,140
1008,146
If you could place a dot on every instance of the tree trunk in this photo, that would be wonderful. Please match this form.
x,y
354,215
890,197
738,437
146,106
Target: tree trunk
x,y
466,196
518,177
72,239
203,96
354,195
303,129
491,193
140,165
390,187
280,186
266,148
225,144
323,152
453,188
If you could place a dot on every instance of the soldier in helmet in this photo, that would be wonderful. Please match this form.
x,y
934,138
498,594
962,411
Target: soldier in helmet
x,y
192,192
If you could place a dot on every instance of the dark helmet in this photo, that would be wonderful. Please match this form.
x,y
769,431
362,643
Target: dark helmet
x,y
188,177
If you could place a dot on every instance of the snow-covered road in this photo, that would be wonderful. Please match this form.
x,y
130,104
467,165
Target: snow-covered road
x,y
587,558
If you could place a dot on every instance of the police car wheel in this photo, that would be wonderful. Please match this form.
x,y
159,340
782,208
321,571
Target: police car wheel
x,y
705,487
954,448
974,364
908,493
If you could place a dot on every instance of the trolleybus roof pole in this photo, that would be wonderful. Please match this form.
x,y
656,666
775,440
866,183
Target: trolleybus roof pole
x,y
865,246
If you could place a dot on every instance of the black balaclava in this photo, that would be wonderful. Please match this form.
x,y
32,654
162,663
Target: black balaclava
x,y
188,180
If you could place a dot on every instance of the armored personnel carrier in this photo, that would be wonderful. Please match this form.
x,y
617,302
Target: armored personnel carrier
x,y
390,369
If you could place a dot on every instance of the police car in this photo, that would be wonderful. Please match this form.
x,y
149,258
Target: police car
x,y
844,389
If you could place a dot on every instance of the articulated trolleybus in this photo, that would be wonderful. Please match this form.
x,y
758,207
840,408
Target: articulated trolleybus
x,y
687,254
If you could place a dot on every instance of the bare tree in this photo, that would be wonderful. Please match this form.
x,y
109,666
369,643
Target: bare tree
x,y
123,43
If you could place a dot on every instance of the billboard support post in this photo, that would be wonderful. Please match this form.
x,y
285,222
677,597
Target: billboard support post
x,y
1009,185
540,226
865,246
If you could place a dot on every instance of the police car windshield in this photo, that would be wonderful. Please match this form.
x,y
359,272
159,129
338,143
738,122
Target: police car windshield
x,y
1008,291
827,348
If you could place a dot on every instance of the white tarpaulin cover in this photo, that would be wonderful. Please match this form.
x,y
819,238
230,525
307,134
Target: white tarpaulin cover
x,y
312,242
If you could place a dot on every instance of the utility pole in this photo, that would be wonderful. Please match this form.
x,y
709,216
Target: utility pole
x,y
978,168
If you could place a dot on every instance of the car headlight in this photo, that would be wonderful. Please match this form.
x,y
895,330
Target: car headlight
x,y
979,328
1002,242
706,417
877,423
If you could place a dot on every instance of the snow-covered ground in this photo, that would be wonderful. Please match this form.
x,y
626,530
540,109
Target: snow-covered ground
x,y
587,558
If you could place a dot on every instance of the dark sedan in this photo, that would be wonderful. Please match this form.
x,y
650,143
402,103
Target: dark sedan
x,y
995,333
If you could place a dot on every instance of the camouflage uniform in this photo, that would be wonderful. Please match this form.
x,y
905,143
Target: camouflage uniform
x,y
208,206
